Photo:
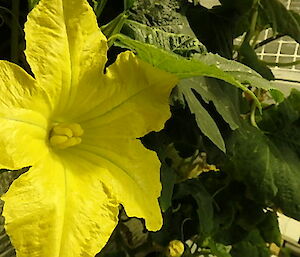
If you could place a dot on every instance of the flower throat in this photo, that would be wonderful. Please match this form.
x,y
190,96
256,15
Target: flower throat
x,y
65,135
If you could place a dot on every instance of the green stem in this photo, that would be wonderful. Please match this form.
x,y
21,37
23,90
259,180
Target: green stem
x,y
281,64
252,29
99,6
255,38
14,52
253,111
288,80
251,32
252,115
268,40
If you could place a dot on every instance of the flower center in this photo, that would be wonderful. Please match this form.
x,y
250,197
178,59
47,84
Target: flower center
x,y
65,135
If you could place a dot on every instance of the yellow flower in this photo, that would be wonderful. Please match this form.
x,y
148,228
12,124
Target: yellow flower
x,y
78,128
175,249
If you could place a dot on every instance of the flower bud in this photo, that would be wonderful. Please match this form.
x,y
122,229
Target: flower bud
x,y
175,249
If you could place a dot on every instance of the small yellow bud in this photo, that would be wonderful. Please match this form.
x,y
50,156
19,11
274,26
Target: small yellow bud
x,y
175,249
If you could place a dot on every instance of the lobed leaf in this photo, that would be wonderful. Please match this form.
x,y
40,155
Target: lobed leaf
x,y
180,43
211,90
182,67
273,13
269,169
205,122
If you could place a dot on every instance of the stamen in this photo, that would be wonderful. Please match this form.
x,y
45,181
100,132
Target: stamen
x,y
65,135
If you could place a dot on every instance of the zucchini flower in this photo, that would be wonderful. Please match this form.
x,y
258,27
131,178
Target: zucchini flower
x,y
77,125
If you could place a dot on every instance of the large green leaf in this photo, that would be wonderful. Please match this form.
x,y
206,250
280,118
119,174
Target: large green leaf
x,y
182,44
185,68
218,250
239,5
212,90
252,246
270,170
204,203
274,14
213,28
238,71
205,122
269,228
162,15
248,56
209,65
168,179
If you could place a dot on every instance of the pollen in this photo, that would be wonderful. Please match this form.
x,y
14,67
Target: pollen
x,y
65,135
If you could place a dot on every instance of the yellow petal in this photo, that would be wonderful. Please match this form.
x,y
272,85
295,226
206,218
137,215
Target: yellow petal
x,y
132,172
23,118
59,210
64,48
132,100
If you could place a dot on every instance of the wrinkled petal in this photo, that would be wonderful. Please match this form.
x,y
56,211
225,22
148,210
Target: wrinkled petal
x,y
59,210
132,174
132,100
23,126
64,48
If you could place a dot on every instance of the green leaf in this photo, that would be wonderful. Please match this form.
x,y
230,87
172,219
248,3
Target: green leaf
x,y
277,95
281,123
211,90
168,179
6,178
210,65
182,44
205,122
213,27
163,15
114,27
217,249
204,203
185,68
269,229
240,5
238,71
248,56
252,246
274,14
269,169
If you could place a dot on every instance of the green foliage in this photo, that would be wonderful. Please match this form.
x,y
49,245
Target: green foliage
x,y
249,57
219,173
204,204
269,229
268,162
212,90
274,14
182,44
204,120
168,179
253,245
